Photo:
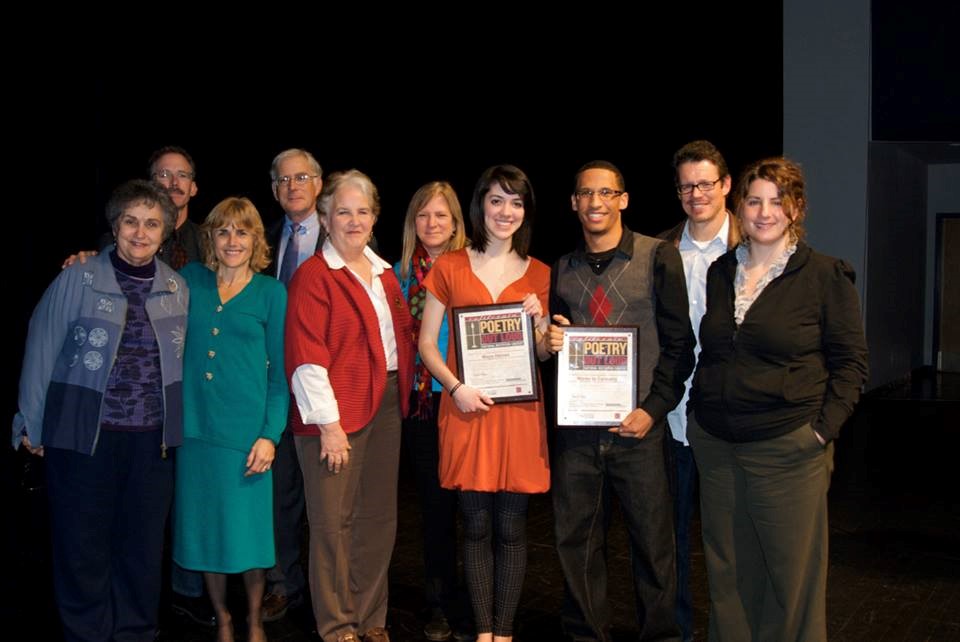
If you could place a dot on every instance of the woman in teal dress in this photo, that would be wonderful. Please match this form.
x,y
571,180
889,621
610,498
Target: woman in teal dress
x,y
235,407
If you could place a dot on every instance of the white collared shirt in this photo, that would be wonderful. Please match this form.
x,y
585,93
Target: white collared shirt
x,y
310,382
697,257
309,233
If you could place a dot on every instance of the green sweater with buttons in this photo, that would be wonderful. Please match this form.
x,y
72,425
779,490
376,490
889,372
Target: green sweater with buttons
x,y
234,387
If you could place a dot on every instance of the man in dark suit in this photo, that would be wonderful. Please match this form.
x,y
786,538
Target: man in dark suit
x,y
297,179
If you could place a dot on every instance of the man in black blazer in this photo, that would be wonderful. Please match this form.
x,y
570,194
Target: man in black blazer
x,y
297,180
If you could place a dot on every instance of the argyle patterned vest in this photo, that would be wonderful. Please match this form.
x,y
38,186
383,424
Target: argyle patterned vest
x,y
622,295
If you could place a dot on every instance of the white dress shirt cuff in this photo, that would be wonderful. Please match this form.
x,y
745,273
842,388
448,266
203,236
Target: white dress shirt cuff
x,y
311,389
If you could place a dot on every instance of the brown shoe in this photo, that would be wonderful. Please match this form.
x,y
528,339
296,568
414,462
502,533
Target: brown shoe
x,y
275,606
376,634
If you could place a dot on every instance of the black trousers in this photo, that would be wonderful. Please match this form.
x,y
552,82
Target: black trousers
x,y
107,518
438,507
286,577
590,467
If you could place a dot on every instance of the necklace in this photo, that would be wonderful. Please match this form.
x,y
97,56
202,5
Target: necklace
x,y
239,281
229,289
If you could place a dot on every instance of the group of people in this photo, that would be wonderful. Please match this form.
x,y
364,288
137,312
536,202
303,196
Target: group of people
x,y
286,365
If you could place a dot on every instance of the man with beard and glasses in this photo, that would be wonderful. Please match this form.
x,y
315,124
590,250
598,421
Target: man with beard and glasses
x,y
173,168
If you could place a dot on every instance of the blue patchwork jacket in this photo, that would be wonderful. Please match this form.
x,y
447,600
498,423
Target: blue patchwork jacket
x,y
71,346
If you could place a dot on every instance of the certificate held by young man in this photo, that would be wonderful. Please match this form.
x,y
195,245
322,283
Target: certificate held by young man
x,y
596,375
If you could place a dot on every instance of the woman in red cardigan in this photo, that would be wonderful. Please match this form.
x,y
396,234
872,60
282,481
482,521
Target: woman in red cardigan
x,y
350,368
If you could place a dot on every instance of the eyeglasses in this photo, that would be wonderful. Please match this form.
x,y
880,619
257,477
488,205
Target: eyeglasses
x,y
704,187
299,179
604,193
167,174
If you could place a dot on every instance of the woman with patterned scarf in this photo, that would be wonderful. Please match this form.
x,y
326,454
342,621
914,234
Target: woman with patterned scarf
x,y
433,225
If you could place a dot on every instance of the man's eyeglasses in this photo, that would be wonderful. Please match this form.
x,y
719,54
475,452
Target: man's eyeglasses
x,y
167,174
299,179
704,186
604,193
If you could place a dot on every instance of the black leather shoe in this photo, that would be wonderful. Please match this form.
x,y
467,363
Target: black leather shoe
x,y
197,609
437,629
464,632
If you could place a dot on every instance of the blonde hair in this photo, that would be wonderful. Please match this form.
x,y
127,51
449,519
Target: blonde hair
x,y
241,213
420,199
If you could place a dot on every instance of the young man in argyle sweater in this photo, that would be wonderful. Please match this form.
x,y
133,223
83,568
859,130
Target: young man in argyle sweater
x,y
619,277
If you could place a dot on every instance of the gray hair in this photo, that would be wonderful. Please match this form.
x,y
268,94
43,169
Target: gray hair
x,y
290,153
137,192
353,178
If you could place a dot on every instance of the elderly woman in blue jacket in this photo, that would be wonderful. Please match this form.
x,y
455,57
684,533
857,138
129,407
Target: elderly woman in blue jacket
x,y
100,398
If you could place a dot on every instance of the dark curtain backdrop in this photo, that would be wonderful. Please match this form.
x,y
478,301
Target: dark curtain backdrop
x,y
423,106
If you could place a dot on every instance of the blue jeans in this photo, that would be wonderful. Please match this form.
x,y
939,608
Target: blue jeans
x,y
591,465
685,470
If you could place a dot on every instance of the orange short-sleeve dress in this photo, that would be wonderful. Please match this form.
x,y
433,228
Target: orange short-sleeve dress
x,y
506,447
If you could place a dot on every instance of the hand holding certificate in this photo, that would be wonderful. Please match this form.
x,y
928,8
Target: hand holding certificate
x,y
495,347
596,376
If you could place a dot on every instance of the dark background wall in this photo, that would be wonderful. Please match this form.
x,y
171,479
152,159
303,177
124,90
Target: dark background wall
x,y
914,172
421,104
943,196
870,110
422,101
895,248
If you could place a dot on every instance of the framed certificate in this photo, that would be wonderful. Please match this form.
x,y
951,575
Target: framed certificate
x,y
496,352
596,375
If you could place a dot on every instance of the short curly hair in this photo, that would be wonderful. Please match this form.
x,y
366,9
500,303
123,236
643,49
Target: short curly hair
x,y
791,185
137,192
353,178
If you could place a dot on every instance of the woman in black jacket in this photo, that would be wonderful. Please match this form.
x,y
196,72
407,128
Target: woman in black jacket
x,y
782,363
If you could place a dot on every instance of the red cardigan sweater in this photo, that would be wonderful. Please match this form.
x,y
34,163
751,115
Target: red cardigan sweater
x,y
332,323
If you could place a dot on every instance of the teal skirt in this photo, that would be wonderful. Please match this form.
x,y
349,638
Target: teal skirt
x,y
222,521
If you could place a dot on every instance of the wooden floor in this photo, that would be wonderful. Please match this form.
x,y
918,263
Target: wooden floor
x,y
894,538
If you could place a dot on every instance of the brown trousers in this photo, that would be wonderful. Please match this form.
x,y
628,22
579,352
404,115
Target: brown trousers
x,y
763,506
353,523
